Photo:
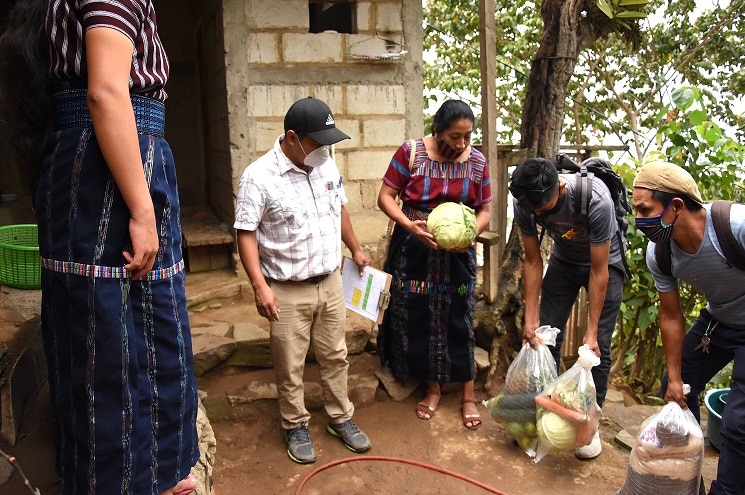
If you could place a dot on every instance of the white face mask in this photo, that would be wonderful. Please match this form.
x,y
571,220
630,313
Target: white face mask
x,y
317,157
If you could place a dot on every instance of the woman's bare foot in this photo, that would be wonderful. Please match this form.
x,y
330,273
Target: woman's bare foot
x,y
183,487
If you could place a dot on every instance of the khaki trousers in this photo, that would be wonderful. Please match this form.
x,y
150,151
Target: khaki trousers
x,y
310,314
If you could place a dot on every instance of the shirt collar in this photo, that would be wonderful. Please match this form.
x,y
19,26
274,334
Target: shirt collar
x,y
283,162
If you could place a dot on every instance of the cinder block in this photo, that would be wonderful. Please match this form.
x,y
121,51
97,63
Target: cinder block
x,y
313,48
206,258
207,241
352,128
288,14
341,163
389,18
369,190
376,100
266,132
333,96
378,133
353,190
363,16
273,100
368,164
263,48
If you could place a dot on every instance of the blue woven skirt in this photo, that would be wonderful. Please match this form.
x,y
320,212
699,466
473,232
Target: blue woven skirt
x,y
118,351
427,331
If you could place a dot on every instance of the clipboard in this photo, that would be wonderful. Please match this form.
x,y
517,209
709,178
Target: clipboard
x,y
367,295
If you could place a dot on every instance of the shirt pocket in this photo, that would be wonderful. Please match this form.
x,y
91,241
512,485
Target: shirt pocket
x,y
294,214
334,200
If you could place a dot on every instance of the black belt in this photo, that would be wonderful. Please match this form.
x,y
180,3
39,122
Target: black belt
x,y
311,281
315,280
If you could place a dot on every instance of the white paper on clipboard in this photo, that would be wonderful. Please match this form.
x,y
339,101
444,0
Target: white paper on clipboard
x,y
368,294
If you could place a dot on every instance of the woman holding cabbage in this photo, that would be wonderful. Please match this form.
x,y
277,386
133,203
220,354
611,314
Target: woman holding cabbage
x,y
427,332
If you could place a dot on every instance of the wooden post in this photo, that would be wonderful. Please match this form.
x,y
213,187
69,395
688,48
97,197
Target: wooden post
x,y
493,238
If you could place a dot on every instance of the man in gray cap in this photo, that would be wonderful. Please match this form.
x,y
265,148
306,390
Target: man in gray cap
x,y
291,219
671,212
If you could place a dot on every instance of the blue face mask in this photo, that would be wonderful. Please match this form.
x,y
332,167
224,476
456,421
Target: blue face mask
x,y
654,228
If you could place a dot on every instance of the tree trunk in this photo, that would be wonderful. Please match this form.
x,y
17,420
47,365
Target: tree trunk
x,y
497,324
563,39
565,34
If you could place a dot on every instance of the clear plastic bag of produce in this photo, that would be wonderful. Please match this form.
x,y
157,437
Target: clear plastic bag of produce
x,y
667,456
530,371
567,410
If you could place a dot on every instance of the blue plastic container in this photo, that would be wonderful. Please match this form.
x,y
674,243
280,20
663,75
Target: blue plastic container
x,y
715,400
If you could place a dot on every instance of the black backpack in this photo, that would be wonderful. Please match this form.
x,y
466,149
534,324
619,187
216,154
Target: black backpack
x,y
733,251
585,172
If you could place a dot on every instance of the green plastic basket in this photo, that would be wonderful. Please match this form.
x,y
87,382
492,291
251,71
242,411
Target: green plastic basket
x,y
19,257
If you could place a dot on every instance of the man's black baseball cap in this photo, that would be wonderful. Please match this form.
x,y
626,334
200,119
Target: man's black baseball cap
x,y
313,117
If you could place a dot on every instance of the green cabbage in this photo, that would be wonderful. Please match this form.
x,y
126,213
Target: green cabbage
x,y
556,432
453,225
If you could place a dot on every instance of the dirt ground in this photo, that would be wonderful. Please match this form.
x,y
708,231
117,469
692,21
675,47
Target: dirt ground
x,y
409,455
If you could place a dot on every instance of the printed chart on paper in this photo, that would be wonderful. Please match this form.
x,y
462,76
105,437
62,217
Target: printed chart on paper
x,y
362,294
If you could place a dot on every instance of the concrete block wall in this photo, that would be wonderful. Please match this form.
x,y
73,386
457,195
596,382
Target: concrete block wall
x,y
273,60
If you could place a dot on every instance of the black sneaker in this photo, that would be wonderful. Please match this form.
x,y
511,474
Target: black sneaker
x,y
299,445
353,438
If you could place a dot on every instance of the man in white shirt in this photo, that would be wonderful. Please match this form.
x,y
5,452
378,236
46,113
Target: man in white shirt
x,y
291,219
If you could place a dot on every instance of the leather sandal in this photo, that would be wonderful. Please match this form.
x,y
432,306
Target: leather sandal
x,y
470,421
424,411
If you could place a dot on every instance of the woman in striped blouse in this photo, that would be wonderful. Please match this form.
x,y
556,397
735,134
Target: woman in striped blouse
x,y
427,332
89,86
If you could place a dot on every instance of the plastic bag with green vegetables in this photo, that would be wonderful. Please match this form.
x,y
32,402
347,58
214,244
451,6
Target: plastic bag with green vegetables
x,y
567,410
528,374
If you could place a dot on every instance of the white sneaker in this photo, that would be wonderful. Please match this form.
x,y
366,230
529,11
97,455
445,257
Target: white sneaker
x,y
591,450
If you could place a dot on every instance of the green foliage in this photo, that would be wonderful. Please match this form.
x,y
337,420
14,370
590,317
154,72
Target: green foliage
x,y
689,138
621,12
451,36
617,91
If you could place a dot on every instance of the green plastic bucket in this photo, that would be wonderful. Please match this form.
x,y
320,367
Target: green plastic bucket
x,y
715,400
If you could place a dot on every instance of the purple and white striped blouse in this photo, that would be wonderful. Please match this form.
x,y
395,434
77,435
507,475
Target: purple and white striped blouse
x,y
68,20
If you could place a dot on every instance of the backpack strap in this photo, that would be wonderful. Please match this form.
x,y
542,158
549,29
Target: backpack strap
x,y
733,251
412,156
583,191
663,255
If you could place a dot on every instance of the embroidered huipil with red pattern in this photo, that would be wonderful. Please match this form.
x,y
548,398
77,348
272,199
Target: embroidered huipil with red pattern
x,y
429,183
